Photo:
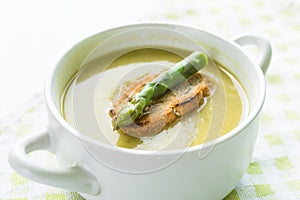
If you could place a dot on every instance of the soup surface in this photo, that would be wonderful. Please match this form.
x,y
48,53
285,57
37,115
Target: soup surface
x,y
88,98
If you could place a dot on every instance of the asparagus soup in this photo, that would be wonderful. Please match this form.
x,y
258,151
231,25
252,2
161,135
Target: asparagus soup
x,y
89,96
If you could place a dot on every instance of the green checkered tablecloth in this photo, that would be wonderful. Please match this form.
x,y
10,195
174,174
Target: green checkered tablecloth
x,y
274,172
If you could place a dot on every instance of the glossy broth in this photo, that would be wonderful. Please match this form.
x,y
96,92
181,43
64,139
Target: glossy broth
x,y
87,100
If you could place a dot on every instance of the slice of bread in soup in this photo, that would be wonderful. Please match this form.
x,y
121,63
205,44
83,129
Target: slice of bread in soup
x,y
167,109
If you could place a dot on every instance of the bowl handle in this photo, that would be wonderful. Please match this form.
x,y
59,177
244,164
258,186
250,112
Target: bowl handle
x,y
263,45
76,178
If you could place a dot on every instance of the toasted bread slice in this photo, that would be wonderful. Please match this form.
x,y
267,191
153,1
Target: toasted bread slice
x,y
167,109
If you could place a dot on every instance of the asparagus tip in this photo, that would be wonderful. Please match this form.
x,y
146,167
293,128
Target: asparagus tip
x,y
199,59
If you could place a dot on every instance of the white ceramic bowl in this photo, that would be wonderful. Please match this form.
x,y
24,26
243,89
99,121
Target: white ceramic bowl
x,y
101,171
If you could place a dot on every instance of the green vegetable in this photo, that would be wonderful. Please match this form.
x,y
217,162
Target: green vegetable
x,y
158,86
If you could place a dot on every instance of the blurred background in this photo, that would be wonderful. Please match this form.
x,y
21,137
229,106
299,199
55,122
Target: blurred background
x,y
35,34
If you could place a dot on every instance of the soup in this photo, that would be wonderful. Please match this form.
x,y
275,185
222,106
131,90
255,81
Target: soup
x,y
88,98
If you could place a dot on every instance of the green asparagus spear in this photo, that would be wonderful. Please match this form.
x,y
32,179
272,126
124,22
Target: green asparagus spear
x,y
158,86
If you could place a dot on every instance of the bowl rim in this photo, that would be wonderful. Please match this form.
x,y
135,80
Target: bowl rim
x,y
224,138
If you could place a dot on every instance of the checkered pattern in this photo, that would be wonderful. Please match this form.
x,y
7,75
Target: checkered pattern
x,y
275,169
13,186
